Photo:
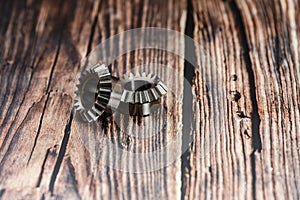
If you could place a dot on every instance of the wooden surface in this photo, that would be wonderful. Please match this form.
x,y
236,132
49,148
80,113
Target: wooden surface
x,y
246,143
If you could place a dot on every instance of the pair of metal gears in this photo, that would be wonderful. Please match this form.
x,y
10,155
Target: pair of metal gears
x,y
98,91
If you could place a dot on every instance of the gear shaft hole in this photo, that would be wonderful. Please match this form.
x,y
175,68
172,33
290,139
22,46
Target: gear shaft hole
x,y
89,92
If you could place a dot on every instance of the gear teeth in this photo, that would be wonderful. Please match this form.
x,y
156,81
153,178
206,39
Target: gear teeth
x,y
77,92
147,96
137,75
154,93
161,84
93,114
101,106
140,100
101,75
152,77
88,116
105,76
131,76
99,69
104,90
127,96
144,97
76,103
144,74
97,111
161,89
125,77
138,97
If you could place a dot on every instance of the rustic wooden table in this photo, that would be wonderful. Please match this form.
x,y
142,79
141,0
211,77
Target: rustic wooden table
x,y
252,130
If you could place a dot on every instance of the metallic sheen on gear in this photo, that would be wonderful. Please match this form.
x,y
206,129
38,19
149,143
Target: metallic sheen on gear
x,y
93,92
140,91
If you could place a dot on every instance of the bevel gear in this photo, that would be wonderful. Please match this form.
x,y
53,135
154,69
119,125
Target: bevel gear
x,y
140,91
93,92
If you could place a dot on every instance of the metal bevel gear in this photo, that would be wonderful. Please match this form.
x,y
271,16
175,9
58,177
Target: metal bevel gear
x,y
93,92
140,91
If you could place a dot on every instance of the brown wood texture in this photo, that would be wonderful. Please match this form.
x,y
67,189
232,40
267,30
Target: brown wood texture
x,y
246,106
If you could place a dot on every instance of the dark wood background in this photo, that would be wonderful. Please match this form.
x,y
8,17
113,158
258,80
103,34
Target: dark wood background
x,y
253,129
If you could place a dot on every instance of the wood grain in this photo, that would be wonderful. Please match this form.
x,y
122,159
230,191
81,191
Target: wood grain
x,y
245,111
256,150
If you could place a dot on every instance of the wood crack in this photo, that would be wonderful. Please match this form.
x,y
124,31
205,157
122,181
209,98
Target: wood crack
x,y
42,169
61,154
48,94
54,64
256,140
243,92
73,176
39,128
15,135
2,191
93,29
17,113
255,118
15,94
187,118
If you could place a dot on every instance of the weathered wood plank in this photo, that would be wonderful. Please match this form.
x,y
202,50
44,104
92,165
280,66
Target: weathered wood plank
x,y
219,162
272,32
107,182
44,43
72,172
256,153
245,100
